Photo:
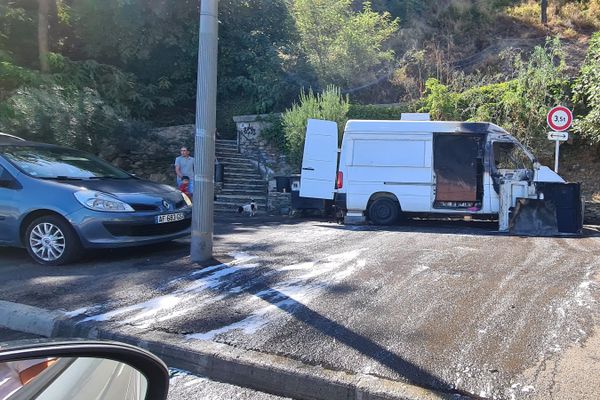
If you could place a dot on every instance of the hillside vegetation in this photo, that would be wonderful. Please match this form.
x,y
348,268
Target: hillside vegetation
x,y
83,72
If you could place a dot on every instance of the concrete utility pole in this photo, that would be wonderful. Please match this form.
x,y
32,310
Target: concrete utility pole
x,y
204,148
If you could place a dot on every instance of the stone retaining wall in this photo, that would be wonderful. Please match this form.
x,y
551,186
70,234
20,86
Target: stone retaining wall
x,y
271,160
154,156
279,203
592,213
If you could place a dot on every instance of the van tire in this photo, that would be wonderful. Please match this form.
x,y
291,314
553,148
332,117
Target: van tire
x,y
67,242
384,211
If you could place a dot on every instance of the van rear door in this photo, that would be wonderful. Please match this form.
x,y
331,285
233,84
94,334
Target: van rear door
x,y
319,164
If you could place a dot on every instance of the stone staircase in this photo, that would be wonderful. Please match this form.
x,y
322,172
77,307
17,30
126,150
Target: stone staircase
x,y
242,180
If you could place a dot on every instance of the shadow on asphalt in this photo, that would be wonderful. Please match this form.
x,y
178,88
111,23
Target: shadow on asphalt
x,y
411,372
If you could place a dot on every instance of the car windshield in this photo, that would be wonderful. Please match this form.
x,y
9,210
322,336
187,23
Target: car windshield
x,y
61,163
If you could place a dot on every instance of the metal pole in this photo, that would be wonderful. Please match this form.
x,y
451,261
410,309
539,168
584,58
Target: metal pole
x,y
556,157
204,149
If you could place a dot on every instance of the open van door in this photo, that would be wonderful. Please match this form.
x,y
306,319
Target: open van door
x,y
319,164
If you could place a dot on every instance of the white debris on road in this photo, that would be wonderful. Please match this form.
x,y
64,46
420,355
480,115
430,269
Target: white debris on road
x,y
300,290
314,277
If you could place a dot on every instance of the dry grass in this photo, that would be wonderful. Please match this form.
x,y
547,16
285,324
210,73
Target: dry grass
x,y
571,17
528,12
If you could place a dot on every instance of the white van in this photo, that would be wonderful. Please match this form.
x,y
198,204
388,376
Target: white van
x,y
389,169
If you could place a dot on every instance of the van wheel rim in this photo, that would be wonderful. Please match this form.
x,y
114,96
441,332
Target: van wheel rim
x,y
383,212
47,241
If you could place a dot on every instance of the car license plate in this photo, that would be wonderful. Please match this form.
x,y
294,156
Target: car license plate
x,y
161,219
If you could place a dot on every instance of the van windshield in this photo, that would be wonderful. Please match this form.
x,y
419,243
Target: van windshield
x,y
61,163
509,155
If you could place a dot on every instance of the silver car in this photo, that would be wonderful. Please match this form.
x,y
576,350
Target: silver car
x,y
56,201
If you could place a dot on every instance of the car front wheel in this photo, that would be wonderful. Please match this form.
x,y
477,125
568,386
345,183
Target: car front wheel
x,y
52,241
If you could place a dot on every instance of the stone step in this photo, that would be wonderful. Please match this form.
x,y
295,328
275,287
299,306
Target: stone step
x,y
247,192
225,151
244,183
231,147
237,189
220,155
240,199
248,176
240,170
235,160
241,182
246,167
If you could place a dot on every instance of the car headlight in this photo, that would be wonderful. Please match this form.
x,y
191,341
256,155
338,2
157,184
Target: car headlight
x,y
99,201
186,199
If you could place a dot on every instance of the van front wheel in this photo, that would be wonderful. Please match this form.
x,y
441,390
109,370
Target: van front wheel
x,y
384,211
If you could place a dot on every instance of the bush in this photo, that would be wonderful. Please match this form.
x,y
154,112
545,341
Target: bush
x,y
586,93
329,105
360,111
274,133
439,102
519,105
13,77
79,118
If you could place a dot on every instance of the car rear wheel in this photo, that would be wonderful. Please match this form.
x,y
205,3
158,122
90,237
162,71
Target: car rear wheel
x,y
52,241
384,211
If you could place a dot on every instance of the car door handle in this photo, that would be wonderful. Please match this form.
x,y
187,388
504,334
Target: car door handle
x,y
308,169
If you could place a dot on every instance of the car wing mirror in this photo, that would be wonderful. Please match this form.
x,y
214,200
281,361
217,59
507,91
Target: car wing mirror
x,y
81,370
9,184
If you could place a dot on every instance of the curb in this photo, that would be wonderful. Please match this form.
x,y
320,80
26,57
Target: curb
x,y
265,372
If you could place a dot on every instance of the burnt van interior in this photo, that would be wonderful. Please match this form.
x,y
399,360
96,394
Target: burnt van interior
x,y
458,160
509,159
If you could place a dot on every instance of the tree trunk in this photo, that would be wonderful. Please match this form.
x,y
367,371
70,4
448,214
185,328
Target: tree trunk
x,y
43,9
544,12
558,6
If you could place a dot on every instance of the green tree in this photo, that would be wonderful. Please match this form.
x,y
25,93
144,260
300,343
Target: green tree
x,y
329,105
439,102
344,47
586,93
257,54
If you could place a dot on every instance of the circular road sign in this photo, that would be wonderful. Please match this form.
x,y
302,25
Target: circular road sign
x,y
560,118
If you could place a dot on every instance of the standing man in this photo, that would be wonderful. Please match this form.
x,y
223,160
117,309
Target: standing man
x,y
184,166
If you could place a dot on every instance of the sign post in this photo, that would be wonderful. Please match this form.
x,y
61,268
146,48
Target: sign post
x,y
559,119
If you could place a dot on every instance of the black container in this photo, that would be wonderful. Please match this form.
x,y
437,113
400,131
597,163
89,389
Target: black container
x,y
283,184
219,172
567,200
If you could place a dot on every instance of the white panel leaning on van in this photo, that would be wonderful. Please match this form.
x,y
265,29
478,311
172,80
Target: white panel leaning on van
x,y
389,169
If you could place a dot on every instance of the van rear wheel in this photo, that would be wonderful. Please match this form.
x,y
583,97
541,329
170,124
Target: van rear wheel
x,y
384,211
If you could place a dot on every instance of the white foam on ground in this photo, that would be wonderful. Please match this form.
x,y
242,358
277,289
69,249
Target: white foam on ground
x,y
145,313
77,312
292,293
150,307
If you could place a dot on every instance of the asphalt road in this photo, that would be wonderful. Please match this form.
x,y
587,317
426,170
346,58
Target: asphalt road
x,y
441,304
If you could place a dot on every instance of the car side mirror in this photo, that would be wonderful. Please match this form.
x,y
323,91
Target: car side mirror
x,y
9,184
81,369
